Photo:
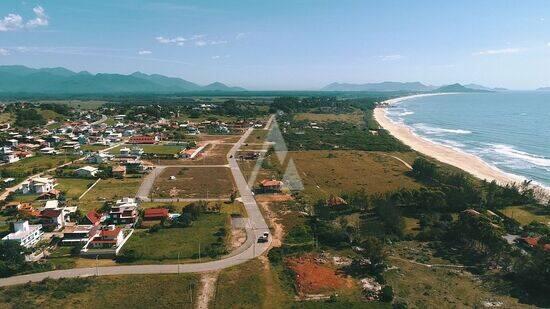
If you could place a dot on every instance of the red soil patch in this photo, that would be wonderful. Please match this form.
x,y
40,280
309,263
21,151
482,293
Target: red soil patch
x,y
315,278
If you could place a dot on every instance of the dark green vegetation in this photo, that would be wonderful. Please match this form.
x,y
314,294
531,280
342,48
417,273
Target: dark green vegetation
x,y
302,135
33,165
13,262
136,291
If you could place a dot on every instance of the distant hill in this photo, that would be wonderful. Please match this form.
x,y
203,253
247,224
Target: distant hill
x,y
382,87
543,89
457,88
480,87
21,79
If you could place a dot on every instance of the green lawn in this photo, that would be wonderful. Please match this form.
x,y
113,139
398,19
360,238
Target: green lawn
x,y
164,245
151,149
109,189
33,165
135,291
527,214
25,198
92,147
227,208
73,187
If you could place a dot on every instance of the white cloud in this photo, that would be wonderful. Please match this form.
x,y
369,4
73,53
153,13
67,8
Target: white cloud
x,y
497,51
393,57
218,42
216,57
4,52
145,52
40,20
176,40
198,39
201,43
13,22
240,35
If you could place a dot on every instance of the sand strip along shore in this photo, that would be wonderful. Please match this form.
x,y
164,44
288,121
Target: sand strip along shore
x,y
462,160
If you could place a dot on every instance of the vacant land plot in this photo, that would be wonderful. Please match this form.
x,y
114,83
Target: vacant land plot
x,y
247,167
33,165
6,118
213,154
422,287
314,278
527,214
194,182
235,208
111,189
73,187
219,138
92,147
333,172
357,117
151,149
257,136
136,291
165,244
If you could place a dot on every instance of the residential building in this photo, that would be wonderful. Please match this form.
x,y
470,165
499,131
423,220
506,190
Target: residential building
x,y
24,233
271,185
79,234
124,211
119,171
143,139
107,238
155,214
37,185
92,218
87,171
53,219
7,155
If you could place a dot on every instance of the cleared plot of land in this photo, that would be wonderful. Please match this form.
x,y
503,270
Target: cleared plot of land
x,y
333,172
220,138
73,187
423,287
92,147
527,214
257,136
136,291
165,244
151,149
33,165
111,189
213,154
6,117
247,167
198,182
235,208
357,117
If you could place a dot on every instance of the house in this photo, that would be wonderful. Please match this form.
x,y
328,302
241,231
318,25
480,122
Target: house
x,y
24,233
79,234
124,152
92,218
134,166
143,139
52,218
249,155
98,158
136,151
7,155
4,183
47,151
53,194
107,238
86,171
271,185
52,204
155,214
119,171
37,185
336,201
124,211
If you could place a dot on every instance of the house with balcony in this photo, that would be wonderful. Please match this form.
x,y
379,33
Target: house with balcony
x,y
24,233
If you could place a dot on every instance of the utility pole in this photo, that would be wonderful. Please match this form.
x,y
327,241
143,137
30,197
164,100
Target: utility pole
x,y
199,251
97,265
178,263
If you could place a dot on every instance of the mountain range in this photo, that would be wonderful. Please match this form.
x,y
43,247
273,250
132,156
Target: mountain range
x,y
22,79
407,86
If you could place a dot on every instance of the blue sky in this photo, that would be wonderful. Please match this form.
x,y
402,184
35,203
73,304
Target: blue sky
x,y
286,44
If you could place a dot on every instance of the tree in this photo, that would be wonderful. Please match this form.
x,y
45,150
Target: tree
x,y
12,258
424,169
386,294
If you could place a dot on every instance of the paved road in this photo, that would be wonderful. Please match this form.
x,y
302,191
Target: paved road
x,y
249,250
103,119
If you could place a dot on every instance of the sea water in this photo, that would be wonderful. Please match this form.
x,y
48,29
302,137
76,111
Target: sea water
x,y
508,130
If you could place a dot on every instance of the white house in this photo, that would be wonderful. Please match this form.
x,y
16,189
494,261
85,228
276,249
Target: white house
x,y
7,155
87,171
98,158
37,185
27,235
47,151
109,237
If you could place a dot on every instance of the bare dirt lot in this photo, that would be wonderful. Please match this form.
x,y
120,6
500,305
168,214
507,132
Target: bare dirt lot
x,y
213,154
195,182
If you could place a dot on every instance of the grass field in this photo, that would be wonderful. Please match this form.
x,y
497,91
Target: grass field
x,y
257,136
223,138
73,187
33,165
344,171
6,117
195,182
92,147
151,149
213,154
236,208
136,291
164,245
110,189
357,117
527,214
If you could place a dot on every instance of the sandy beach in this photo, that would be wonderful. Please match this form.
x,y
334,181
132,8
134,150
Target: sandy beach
x,y
462,160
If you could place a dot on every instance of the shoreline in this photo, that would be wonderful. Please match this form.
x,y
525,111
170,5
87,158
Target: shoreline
x,y
460,159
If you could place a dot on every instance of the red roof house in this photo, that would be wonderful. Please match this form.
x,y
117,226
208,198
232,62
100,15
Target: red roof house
x,y
152,214
143,139
271,184
92,218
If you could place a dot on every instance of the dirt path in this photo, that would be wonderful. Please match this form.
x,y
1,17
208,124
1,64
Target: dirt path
x,y
207,290
278,229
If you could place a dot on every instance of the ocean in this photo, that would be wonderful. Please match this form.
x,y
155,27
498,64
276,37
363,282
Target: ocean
x,y
508,130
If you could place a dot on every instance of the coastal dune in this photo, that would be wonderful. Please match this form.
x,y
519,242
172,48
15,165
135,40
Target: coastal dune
x,y
462,160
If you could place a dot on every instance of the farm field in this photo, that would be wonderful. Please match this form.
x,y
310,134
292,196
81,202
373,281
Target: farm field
x,y
105,292
198,182
165,244
333,172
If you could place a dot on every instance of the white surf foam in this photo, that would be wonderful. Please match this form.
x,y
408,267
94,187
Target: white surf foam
x,y
438,131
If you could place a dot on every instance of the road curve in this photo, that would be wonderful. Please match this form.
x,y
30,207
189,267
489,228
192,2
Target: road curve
x,y
249,250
